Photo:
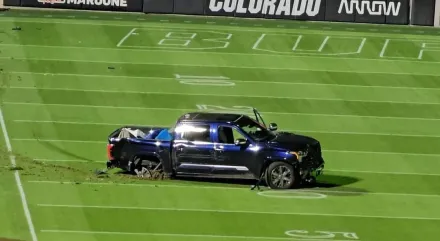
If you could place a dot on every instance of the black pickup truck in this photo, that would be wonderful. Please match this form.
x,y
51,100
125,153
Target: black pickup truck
x,y
220,145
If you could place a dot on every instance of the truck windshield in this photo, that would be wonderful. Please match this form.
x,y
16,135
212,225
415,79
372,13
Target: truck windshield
x,y
254,129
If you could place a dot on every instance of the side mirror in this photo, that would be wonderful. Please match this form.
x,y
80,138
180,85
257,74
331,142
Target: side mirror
x,y
273,127
240,142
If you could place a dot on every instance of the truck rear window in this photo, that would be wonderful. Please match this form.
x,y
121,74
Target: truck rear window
x,y
194,132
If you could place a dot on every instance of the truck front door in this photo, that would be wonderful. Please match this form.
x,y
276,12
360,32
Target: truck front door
x,y
232,159
193,149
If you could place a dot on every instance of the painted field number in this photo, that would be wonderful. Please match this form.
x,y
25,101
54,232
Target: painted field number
x,y
190,40
177,39
204,80
322,235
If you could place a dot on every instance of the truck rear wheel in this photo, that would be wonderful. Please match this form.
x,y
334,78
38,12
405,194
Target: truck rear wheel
x,y
281,175
147,167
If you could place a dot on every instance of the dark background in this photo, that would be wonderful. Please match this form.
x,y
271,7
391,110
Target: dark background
x,y
132,6
158,6
193,7
11,2
422,12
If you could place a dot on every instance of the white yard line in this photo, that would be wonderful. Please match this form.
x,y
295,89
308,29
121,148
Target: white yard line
x,y
52,140
241,211
118,77
258,41
298,40
365,133
383,153
76,123
147,124
57,160
387,173
180,235
233,66
324,150
326,170
421,51
126,37
323,44
361,46
382,53
18,179
142,185
315,190
194,109
222,95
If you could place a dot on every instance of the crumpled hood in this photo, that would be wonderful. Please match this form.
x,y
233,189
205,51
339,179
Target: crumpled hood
x,y
292,142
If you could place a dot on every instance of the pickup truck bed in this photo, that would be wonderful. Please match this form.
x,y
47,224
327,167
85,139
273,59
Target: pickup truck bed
x,y
143,133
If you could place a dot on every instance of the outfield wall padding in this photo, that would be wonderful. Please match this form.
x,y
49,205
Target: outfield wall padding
x,y
357,11
158,6
423,12
191,7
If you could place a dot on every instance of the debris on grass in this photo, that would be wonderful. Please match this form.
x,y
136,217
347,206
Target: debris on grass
x,y
16,168
69,173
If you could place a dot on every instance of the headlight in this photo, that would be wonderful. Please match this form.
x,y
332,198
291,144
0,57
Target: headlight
x,y
299,155
294,153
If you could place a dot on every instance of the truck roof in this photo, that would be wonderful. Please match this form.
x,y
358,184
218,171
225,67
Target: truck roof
x,y
210,117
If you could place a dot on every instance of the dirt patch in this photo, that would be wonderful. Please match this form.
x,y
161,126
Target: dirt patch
x,y
8,239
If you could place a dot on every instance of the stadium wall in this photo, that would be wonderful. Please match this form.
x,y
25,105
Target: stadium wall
x,y
403,12
437,14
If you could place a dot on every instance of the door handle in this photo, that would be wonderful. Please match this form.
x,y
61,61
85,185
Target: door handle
x,y
218,149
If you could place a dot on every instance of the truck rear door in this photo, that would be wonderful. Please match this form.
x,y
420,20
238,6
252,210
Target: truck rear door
x,y
193,149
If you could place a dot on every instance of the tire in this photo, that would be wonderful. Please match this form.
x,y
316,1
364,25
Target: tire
x,y
281,175
144,166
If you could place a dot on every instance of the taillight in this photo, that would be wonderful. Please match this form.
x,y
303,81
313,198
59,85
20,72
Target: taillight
x,y
109,151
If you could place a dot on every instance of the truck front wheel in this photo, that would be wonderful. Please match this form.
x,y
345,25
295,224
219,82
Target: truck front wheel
x,y
281,175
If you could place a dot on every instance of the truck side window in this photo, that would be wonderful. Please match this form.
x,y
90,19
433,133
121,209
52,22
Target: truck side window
x,y
228,135
196,133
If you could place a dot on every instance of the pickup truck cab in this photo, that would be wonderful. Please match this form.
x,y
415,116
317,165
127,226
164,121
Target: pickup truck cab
x,y
220,145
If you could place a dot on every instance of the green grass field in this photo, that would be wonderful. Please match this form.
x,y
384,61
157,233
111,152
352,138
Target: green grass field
x,y
369,93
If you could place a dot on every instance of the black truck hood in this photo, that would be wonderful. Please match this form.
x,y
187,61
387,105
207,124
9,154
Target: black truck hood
x,y
292,142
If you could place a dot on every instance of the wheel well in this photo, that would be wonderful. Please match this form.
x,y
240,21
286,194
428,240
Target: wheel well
x,y
268,162
143,157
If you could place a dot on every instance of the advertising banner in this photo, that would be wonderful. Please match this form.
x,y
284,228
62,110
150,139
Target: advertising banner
x,y
249,9
102,5
313,10
368,11
334,12
357,11
281,9
222,7
403,13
